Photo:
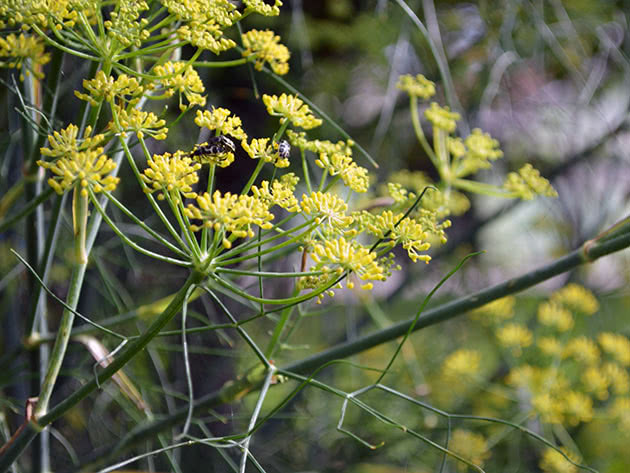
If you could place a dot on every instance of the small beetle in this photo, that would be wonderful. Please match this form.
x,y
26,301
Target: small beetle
x,y
284,149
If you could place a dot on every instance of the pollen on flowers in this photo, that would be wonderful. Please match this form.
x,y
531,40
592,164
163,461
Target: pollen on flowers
x,y
615,345
265,47
108,88
182,78
222,121
527,183
328,208
442,117
576,298
515,337
171,174
291,108
553,461
463,362
471,446
350,256
84,169
260,148
18,49
65,142
418,86
140,122
554,315
235,214
408,232
263,8
279,192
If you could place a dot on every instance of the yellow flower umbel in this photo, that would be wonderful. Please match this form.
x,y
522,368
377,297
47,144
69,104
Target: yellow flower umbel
x,y
515,337
230,213
528,183
18,49
204,22
171,175
65,142
615,345
408,232
123,25
582,349
181,78
222,121
259,6
265,47
479,149
291,108
576,298
279,192
329,209
442,117
495,311
554,315
554,462
259,148
348,256
461,363
140,122
418,86
471,446
108,88
80,169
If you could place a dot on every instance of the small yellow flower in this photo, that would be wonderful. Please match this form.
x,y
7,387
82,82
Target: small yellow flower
x,y
123,25
515,337
442,117
140,122
577,298
554,315
550,346
595,381
328,208
583,350
82,169
528,183
108,88
235,214
349,256
495,311
181,78
171,174
548,407
279,192
222,121
262,8
291,108
618,377
471,446
418,86
554,462
616,345
577,407
353,175
620,410
462,363
409,233
259,148
65,142
266,47
481,149
24,48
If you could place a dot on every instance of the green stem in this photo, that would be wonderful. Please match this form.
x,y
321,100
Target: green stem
x,y
279,329
79,220
252,179
417,127
37,424
307,178
26,210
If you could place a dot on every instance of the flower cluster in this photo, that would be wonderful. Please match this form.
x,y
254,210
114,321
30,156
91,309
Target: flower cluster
x,y
265,47
229,213
222,121
292,109
21,49
181,78
171,175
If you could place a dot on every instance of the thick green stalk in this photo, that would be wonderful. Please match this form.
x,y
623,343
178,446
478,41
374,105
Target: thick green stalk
x,y
21,441
234,390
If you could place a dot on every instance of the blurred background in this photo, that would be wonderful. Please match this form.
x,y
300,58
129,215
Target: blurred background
x,y
549,79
